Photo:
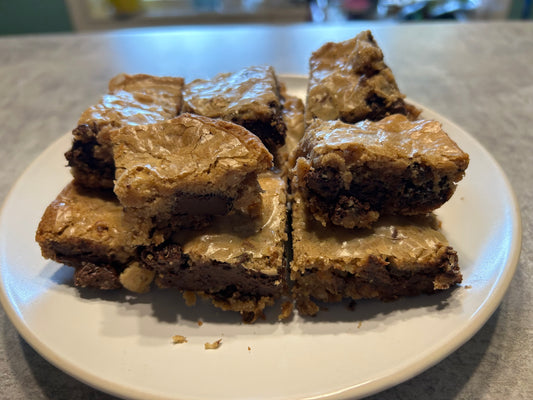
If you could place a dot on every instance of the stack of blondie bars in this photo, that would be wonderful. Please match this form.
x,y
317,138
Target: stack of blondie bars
x,y
188,186
365,179
188,200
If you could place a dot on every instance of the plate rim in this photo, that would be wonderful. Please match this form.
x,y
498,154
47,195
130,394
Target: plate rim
x,y
494,300
477,321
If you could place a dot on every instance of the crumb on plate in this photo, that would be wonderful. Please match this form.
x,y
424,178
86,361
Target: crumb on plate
x,y
213,346
179,339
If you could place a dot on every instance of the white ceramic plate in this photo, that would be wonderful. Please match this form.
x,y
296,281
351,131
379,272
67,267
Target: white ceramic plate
x,y
121,343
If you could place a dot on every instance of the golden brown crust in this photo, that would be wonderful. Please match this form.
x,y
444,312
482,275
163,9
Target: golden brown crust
x,y
86,225
351,82
189,165
249,97
145,82
251,93
132,100
392,138
163,89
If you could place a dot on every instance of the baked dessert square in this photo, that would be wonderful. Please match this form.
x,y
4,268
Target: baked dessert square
x,y
132,100
350,81
399,256
88,230
188,167
249,97
237,262
350,175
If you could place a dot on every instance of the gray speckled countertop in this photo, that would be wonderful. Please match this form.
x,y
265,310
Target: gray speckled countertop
x,y
478,75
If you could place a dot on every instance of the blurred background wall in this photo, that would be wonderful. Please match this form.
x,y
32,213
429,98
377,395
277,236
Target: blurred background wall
x,y
40,16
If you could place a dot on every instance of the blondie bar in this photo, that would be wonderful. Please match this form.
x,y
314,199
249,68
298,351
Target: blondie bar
x,y
132,100
249,97
237,262
351,82
88,230
351,174
189,166
399,256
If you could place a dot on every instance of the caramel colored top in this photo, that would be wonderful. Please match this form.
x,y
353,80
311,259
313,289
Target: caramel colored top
x,y
394,140
93,221
413,242
249,94
135,100
350,81
236,239
187,154
161,87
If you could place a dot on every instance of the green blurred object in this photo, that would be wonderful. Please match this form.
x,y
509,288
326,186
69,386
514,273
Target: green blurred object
x,y
521,9
33,16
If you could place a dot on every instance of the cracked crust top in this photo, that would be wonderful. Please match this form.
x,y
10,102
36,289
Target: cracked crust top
x,y
249,97
135,100
83,224
352,174
412,242
394,139
188,154
351,82
249,94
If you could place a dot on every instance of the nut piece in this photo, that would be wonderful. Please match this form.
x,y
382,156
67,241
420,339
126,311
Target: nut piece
x,y
136,279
